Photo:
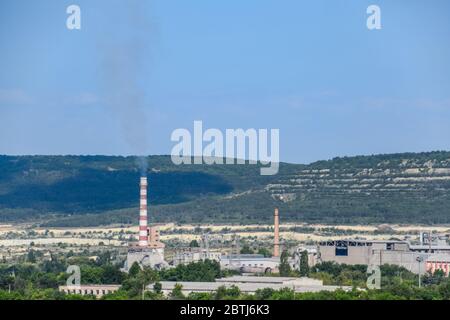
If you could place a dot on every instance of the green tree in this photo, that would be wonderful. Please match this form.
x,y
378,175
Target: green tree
x,y
194,244
177,292
200,296
284,268
264,294
221,293
91,274
444,289
246,250
134,270
233,292
117,295
31,257
265,252
207,270
284,294
304,266
157,287
111,275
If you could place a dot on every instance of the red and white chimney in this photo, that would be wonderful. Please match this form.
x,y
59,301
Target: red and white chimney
x,y
143,234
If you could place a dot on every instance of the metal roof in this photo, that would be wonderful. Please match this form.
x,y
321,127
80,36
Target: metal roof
x,y
427,247
256,279
244,287
439,257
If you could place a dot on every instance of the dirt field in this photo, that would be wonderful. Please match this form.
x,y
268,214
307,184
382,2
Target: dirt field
x,y
22,235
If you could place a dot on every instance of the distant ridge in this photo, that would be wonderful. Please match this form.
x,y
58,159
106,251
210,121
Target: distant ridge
x,y
94,190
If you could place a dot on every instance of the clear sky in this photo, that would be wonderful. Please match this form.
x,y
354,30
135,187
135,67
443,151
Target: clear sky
x,y
137,70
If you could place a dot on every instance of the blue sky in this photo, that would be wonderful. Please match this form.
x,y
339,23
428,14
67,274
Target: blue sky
x,y
137,70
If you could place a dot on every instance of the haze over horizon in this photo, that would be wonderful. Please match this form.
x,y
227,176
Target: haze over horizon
x,y
134,73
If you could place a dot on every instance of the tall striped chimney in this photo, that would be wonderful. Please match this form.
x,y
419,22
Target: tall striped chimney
x,y
276,238
143,234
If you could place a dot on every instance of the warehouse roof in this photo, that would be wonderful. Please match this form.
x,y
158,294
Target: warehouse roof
x,y
256,279
244,287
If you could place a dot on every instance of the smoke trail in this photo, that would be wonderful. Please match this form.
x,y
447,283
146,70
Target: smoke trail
x,y
122,70
142,163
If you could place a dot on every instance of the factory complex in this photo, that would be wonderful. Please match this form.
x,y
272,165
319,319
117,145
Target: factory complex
x,y
246,284
430,255
149,251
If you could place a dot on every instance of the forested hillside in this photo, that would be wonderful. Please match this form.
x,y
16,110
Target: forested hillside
x,y
94,190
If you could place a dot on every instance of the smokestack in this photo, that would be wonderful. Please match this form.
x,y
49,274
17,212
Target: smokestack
x,y
276,238
143,234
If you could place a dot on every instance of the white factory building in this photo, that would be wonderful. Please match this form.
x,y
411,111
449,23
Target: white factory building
x,y
96,290
190,255
250,284
255,263
415,258
246,284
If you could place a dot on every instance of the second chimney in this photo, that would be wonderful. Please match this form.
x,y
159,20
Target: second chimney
x,y
276,238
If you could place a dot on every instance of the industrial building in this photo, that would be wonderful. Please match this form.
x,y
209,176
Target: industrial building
x,y
249,263
246,284
438,261
255,263
250,284
311,250
415,258
190,255
95,290
149,251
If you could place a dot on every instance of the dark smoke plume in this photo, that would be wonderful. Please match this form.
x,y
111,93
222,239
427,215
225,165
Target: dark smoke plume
x,y
123,76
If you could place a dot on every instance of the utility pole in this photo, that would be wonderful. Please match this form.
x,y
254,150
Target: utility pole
x,y
420,279
205,242
430,239
235,251
419,259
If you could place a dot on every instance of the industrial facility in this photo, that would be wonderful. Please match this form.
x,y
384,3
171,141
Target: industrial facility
x,y
428,256
431,254
246,284
149,250
249,263
96,290
256,263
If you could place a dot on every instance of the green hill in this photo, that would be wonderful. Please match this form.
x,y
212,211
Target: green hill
x,y
94,190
